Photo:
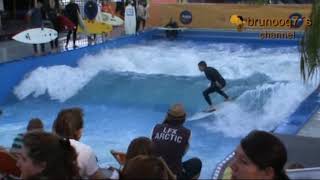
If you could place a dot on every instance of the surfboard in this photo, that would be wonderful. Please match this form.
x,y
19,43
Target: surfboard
x,y
81,24
36,36
171,29
114,21
91,9
200,115
204,114
130,20
94,27
65,23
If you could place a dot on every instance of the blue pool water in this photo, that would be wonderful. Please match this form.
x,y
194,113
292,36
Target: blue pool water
x,y
125,91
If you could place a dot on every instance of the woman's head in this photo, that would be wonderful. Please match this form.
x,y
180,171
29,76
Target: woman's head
x,y
146,167
139,146
45,155
260,155
69,123
176,115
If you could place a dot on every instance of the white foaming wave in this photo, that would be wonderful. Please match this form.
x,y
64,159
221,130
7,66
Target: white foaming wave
x,y
182,60
62,82
5,128
233,121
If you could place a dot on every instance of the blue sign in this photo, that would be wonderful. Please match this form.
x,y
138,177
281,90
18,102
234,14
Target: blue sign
x,y
185,17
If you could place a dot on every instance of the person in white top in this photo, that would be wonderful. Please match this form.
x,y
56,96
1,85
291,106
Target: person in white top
x,y
87,160
69,124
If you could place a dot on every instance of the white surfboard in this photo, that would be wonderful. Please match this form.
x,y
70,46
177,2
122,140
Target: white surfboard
x,y
114,21
36,36
130,20
171,29
203,114
200,115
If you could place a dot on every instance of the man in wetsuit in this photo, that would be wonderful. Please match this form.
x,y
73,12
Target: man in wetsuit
x,y
171,34
217,83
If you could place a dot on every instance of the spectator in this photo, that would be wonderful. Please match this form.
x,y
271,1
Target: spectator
x,y
52,11
72,12
69,124
35,17
34,124
171,142
260,155
120,7
146,167
138,146
46,156
141,15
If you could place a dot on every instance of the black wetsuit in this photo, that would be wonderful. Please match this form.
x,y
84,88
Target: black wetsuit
x,y
172,34
217,83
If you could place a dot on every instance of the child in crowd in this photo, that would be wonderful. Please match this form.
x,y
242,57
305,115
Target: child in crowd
x,y
35,124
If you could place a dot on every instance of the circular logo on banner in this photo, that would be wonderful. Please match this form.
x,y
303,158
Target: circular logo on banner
x,y
296,20
185,17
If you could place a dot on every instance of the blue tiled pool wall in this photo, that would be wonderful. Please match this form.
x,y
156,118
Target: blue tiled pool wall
x,y
230,37
12,72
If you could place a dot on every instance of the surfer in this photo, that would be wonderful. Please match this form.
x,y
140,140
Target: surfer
x,y
171,34
216,85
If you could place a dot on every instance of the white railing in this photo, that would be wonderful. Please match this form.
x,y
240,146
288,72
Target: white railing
x,y
305,173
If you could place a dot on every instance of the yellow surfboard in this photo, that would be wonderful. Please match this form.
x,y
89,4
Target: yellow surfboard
x,y
94,27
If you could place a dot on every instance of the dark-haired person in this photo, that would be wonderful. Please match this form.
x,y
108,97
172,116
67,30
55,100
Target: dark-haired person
x,y
147,167
69,124
217,83
47,156
260,155
35,17
35,124
172,34
71,11
138,146
171,142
